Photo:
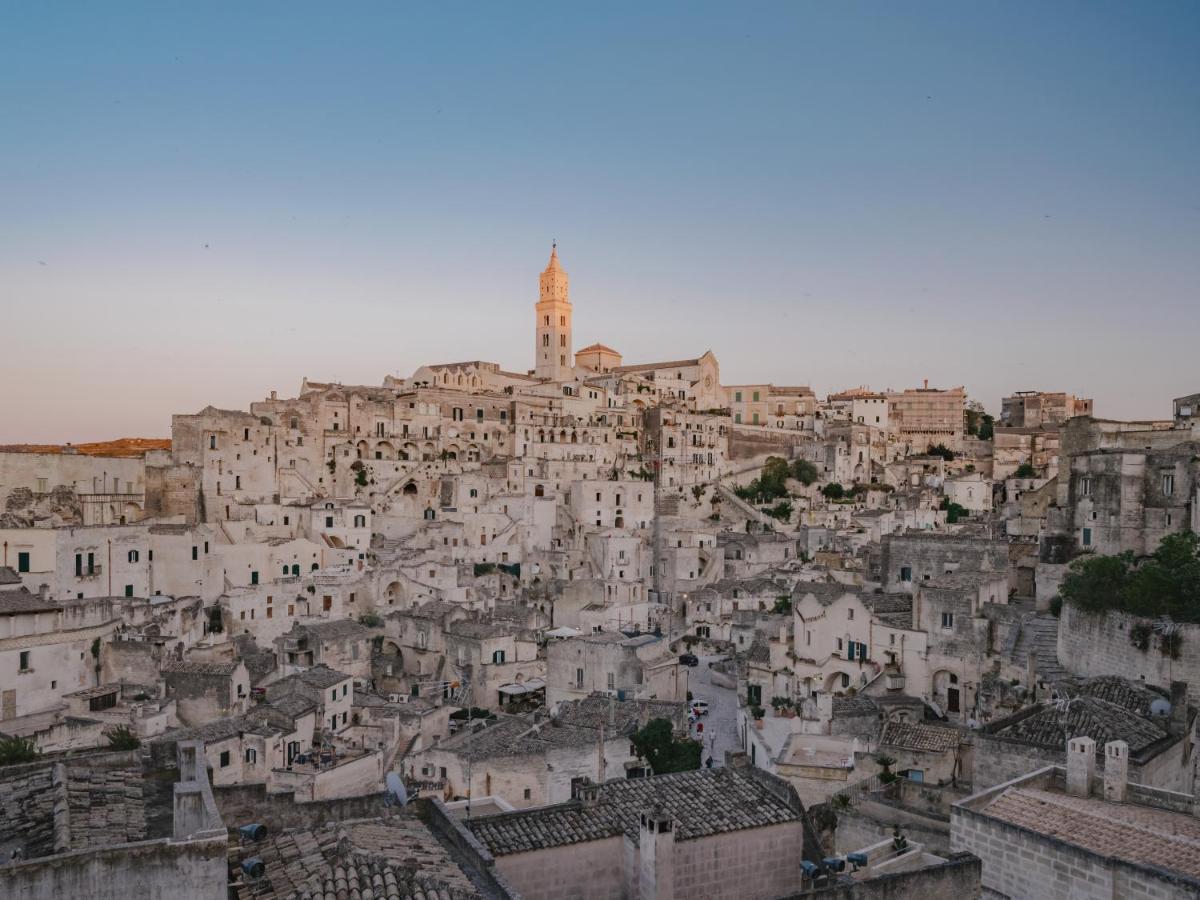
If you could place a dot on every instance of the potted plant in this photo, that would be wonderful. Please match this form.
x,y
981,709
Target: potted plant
x,y
757,713
779,704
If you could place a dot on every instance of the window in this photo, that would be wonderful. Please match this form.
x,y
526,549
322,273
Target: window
x,y
1168,483
579,678
251,756
254,578
129,590
24,661
195,552
133,556
947,620
737,396
224,758
850,614
498,656
333,694
1087,537
906,573
527,794
1085,486
756,396
329,521
23,562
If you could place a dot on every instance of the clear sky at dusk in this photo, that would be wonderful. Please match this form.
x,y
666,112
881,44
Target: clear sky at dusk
x,y
203,202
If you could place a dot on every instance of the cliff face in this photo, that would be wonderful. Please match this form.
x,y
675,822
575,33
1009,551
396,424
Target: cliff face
x,y
126,447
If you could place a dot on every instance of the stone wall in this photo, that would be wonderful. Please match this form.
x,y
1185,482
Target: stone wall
x,y
27,809
1022,863
1100,645
247,804
958,878
869,823
156,870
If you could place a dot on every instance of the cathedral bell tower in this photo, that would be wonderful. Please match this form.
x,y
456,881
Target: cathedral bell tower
x,y
552,355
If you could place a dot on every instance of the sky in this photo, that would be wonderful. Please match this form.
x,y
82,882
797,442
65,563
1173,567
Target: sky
x,y
201,203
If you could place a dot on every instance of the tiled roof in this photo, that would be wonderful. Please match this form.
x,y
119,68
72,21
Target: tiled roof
x,y
703,802
854,707
923,738
1142,835
646,367
620,716
8,575
19,601
198,667
395,858
338,629
1083,716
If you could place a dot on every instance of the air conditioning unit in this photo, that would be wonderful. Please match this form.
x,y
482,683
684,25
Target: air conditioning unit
x,y
394,698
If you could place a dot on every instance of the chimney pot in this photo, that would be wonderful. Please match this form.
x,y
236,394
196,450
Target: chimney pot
x,y
1081,766
1116,771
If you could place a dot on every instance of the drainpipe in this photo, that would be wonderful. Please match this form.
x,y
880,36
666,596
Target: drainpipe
x,y
110,567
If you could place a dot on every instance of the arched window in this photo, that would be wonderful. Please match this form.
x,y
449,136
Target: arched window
x,y
296,570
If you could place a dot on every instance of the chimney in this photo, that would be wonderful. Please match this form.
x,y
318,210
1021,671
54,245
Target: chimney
x,y
656,863
926,384
1179,708
1081,766
1116,770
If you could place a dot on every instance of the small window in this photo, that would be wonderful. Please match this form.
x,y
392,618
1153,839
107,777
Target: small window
x,y
23,562
24,661
224,758
947,620
251,756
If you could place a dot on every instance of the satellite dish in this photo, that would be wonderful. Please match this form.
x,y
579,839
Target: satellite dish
x,y
397,793
1160,707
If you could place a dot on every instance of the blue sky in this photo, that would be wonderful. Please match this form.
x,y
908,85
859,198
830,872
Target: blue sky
x,y
200,203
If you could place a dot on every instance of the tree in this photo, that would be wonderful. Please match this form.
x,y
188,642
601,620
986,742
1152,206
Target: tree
x,y
941,450
656,743
1166,584
833,491
781,510
987,427
974,414
1025,470
121,738
15,750
804,472
954,511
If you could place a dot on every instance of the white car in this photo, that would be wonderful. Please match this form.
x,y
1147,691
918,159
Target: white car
x,y
700,707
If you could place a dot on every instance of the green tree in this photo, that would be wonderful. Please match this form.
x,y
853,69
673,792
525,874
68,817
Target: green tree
x,y
833,491
941,450
1166,584
15,750
987,427
1025,470
954,511
804,472
656,743
121,738
781,510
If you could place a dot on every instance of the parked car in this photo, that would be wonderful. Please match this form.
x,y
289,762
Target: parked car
x,y
689,659
700,707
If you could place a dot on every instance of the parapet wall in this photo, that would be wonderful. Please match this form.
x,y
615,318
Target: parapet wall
x,y
1102,645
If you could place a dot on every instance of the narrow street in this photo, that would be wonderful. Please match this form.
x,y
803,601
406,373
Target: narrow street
x,y
720,725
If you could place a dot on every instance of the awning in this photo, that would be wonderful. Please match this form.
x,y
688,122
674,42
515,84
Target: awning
x,y
528,687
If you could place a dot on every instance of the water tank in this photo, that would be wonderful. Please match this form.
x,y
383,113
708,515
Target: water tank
x,y
254,832
834,863
254,867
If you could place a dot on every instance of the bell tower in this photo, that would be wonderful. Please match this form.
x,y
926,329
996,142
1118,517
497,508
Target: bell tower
x,y
552,355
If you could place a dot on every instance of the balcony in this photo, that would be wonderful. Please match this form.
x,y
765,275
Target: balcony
x,y
90,572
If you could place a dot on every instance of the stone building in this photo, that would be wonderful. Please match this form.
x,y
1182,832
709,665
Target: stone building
x,y
718,833
204,691
1069,831
1158,730
923,416
1039,409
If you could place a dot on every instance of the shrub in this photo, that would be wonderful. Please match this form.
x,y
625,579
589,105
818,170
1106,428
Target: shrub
x,y
1167,584
781,511
15,750
121,738
1025,470
941,450
804,472
1056,604
656,743
833,491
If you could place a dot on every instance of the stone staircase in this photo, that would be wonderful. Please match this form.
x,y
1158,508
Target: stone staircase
x,y
1039,635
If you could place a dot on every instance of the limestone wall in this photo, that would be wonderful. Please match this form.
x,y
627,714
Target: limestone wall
x,y
1101,645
